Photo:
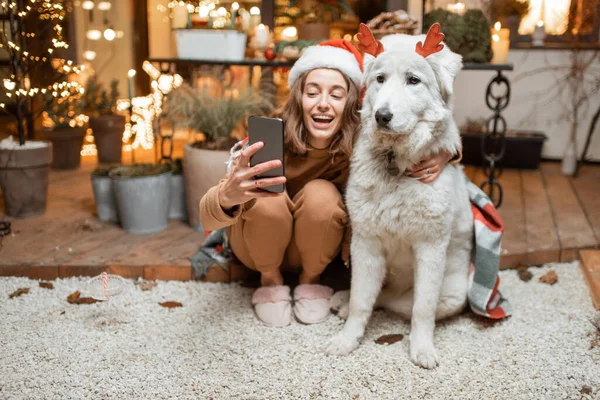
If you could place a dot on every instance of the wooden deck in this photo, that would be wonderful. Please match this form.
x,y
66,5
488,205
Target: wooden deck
x,y
548,218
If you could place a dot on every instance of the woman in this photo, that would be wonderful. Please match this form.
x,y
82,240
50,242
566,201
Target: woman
x,y
305,227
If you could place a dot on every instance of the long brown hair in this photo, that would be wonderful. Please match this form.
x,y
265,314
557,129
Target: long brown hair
x,y
295,131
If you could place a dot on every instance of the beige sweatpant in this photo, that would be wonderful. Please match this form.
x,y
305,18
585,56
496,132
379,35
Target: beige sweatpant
x,y
305,232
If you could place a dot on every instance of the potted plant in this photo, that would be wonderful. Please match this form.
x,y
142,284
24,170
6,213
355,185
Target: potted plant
x,y
104,196
467,34
142,196
177,209
215,117
510,13
107,126
24,171
64,126
25,164
318,15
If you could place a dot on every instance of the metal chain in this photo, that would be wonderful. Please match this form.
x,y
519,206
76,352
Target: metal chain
x,y
493,144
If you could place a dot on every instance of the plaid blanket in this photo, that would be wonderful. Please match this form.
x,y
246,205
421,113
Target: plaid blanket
x,y
484,279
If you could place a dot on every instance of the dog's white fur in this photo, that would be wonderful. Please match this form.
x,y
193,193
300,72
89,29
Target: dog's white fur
x,y
412,239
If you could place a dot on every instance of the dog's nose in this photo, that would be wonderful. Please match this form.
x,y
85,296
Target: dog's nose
x,y
383,117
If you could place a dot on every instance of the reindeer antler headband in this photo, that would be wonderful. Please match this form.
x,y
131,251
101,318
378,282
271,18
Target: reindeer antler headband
x,y
432,43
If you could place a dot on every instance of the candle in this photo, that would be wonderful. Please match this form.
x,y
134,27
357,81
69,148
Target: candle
x,y
234,9
261,36
539,34
254,17
500,44
245,17
130,85
180,16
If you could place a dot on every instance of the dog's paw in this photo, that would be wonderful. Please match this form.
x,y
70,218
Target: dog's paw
x,y
340,345
424,355
340,303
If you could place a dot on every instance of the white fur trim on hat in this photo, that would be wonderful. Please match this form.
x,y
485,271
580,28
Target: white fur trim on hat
x,y
326,57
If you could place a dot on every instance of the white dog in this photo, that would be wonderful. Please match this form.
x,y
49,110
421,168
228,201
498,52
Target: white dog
x,y
412,239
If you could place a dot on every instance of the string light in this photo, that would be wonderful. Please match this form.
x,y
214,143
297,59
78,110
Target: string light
x,y
88,5
109,34
145,109
89,55
93,34
104,6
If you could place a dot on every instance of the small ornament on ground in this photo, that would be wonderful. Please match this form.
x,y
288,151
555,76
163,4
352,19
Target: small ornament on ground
x,y
105,286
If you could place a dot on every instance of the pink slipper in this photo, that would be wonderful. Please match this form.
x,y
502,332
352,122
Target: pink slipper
x,y
273,305
311,303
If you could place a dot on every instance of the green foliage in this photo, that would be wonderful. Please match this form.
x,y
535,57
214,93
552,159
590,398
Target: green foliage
x,y
324,10
141,169
104,170
99,101
468,34
64,111
506,8
300,44
177,166
215,117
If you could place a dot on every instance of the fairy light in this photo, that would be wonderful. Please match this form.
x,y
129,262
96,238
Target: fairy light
x,y
93,34
87,5
89,146
104,6
145,109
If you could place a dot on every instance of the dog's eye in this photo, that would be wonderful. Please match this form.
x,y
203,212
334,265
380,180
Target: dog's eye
x,y
413,80
380,78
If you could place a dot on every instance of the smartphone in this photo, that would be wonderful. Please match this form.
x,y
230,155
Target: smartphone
x,y
270,132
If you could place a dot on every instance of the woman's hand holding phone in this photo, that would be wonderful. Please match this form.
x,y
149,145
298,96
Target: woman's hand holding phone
x,y
241,186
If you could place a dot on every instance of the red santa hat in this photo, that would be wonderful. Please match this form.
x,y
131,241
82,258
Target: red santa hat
x,y
336,54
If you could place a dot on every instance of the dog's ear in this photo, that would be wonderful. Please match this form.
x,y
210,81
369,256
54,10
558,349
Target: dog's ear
x,y
368,62
446,65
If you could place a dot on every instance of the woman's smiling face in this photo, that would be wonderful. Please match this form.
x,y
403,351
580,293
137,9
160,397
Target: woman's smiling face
x,y
323,100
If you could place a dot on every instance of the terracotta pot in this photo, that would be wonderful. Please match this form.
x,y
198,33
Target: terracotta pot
x,y
66,146
24,180
202,169
313,31
108,136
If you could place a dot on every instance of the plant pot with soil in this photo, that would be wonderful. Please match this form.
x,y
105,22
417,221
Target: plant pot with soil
x,y
142,196
66,145
104,196
24,174
215,117
64,126
107,126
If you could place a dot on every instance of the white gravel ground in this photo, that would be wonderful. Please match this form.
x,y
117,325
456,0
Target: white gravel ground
x,y
213,347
